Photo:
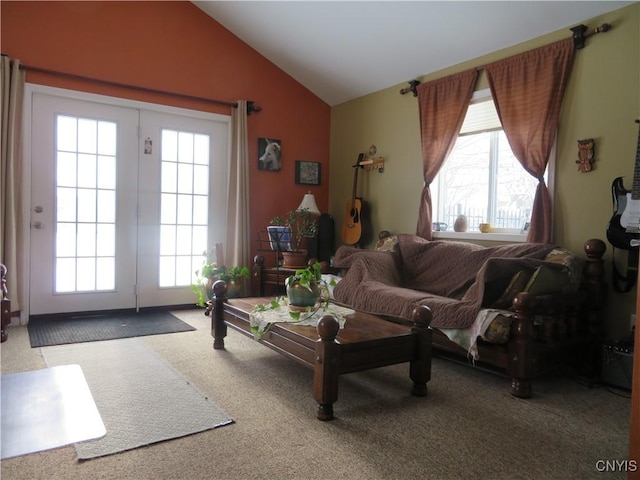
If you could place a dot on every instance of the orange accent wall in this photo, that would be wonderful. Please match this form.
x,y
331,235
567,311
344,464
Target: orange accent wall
x,y
174,46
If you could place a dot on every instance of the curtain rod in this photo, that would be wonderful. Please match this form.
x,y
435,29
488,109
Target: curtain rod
x,y
580,33
251,107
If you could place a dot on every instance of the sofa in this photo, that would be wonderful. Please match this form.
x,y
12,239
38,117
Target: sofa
x,y
521,309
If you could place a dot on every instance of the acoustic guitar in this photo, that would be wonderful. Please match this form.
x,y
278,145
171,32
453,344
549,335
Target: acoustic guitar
x,y
352,228
624,225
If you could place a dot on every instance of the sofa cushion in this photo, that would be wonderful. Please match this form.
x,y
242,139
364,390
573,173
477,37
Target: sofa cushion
x,y
518,284
575,265
546,280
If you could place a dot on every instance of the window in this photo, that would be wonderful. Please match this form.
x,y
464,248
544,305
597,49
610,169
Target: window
x,y
85,204
481,178
184,204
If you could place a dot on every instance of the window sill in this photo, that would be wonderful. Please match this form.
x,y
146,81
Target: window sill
x,y
489,237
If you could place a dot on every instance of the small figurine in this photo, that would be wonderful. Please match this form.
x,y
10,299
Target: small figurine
x,y
585,155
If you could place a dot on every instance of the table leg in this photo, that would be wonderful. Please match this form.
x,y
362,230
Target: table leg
x,y
420,366
326,368
218,327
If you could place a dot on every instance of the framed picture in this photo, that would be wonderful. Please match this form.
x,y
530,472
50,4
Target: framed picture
x,y
307,173
269,154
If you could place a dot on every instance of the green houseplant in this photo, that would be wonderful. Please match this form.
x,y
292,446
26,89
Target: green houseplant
x,y
208,273
305,287
203,282
301,224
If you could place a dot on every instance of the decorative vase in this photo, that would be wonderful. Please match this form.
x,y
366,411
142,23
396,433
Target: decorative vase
x,y
460,225
302,297
296,259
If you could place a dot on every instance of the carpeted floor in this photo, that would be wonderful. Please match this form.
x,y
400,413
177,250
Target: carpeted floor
x,y
47,331
467,428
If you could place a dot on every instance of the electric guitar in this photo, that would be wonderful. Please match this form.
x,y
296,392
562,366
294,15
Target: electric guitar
x,y
352,230
624,226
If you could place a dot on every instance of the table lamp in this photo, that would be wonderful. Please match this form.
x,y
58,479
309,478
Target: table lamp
x,y
309,202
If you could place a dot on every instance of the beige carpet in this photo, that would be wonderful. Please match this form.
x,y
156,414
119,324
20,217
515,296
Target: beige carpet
x,y
467,428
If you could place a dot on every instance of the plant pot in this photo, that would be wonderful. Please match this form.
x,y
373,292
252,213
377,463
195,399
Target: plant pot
x,y
296,259
234,288
302,297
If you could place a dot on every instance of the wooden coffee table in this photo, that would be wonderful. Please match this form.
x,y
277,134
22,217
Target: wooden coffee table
x,y
365,342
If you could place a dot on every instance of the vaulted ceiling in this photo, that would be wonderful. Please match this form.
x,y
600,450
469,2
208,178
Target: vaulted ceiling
x,y
341,50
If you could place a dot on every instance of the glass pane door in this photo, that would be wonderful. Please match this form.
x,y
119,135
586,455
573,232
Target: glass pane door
x,y
124,203
83,206
185,215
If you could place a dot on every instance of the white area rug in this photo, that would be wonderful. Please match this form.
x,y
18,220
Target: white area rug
x,y
141,399
45,409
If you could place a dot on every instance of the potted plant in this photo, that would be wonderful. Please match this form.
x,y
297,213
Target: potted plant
x,y
301,224
233,277
205,277
208,273
305,287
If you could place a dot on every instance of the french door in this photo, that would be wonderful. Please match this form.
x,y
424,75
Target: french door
x,y
122,204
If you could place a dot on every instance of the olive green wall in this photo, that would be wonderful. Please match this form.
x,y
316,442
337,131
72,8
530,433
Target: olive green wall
x,y
602,101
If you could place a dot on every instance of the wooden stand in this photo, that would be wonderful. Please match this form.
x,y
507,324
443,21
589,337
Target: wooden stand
x,y
634,427
5,306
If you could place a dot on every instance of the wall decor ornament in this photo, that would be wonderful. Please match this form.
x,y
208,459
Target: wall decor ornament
x,y
307,173
586,154
269,154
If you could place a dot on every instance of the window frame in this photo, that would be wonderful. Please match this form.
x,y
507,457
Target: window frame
x,y
498,234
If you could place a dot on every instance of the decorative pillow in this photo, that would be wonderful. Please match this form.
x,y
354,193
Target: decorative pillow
x,y
498,330
547,280
387,244
575,265
518,284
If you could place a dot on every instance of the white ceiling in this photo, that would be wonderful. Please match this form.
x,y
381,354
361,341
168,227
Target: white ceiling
x,y
341,50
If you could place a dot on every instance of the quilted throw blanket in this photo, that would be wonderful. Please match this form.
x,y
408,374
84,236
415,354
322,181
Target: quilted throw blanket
x,y
450,277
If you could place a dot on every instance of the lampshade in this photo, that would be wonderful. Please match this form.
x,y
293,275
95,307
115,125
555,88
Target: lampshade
x,y
309,202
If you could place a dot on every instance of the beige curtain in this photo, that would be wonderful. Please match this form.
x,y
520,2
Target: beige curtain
x,y
443,105
238,244
528,90
12,80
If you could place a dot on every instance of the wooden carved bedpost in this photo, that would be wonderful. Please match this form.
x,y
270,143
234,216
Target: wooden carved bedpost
x,y
596,291
595,286
520,351
218,327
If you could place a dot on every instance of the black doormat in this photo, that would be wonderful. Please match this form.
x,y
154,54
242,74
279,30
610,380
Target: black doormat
x,y
48,331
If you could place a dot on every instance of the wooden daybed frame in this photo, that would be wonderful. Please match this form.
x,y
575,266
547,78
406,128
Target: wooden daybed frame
x,y
571,332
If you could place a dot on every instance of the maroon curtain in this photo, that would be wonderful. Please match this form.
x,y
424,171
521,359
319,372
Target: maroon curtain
x,y
528,90
443,105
